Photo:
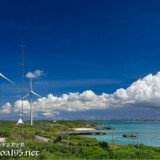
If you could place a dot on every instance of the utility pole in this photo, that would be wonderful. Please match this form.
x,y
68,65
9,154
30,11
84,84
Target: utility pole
x,y
68,134
62,134
27,127
137,140
32,129
113,137
133,138
41,127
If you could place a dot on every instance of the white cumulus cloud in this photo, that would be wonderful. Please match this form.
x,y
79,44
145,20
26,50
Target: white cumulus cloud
x,y
6,108
144,92
37,73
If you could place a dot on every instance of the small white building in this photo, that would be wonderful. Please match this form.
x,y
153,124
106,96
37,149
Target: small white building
x,y
20,121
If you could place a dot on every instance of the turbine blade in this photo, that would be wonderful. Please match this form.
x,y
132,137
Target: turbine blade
x,y
25,96
35,94
6,78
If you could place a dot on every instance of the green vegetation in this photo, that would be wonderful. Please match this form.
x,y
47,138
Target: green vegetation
x,y
79,147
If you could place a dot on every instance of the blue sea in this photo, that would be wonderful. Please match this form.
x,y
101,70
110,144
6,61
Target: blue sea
x,y
149,133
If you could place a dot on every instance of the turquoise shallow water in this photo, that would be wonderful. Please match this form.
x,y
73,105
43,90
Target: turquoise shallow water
x,y
149,133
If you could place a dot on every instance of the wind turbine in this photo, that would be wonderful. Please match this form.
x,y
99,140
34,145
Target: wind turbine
x,y
6,78
30,94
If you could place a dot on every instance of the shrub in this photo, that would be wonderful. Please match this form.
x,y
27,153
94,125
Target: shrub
x,y
58,139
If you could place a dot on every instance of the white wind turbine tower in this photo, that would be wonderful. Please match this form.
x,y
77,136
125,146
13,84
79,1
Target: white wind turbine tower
x,y
6,78
30,94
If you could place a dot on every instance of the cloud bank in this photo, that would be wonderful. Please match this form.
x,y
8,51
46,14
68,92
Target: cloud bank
x,y
35,74
144,92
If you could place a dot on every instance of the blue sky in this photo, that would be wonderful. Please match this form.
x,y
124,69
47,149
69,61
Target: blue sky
x,y
80,45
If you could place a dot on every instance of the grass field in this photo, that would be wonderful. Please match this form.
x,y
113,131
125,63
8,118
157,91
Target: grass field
x,y
79,147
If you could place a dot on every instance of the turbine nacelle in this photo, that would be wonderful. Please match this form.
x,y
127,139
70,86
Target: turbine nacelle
x,y
35,94
30,93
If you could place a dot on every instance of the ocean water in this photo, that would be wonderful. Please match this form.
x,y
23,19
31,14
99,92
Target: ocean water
x,y
149,133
